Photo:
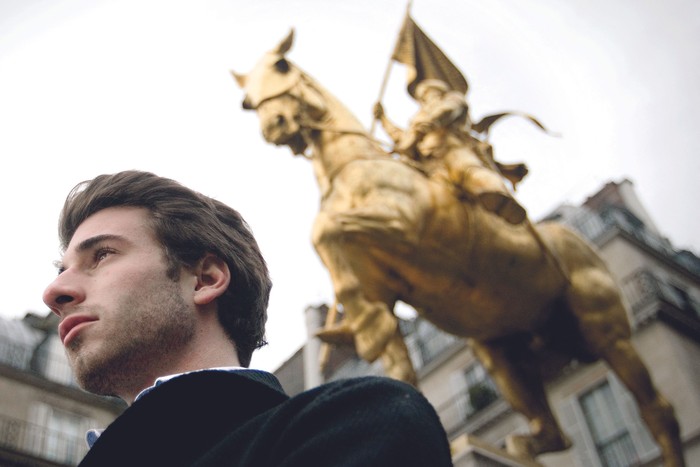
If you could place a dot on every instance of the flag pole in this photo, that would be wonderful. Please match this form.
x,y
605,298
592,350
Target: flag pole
x,y
387,71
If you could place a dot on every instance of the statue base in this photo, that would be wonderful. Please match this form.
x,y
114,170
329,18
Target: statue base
x,y
470,451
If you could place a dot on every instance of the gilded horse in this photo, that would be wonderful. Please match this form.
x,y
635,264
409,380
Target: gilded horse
x,y
528,299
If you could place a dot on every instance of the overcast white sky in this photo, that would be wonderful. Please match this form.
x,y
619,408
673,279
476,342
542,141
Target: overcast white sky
x,y
97,86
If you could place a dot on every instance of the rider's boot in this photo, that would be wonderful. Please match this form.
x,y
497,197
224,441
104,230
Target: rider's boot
x,y
504,205
489,189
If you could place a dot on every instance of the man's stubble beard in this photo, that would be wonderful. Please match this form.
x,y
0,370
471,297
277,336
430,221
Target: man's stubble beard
x,y
150,326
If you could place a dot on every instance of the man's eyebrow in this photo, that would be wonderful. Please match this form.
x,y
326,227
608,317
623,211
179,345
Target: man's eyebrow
x,y
92,241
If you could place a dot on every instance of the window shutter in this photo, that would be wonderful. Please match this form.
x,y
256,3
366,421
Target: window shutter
x,y
574,425
643,442
35,437
458,383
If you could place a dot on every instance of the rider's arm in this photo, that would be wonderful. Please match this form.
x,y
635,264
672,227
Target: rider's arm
x,y
394,132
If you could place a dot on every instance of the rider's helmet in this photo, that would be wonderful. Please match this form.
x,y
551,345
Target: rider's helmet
x,y
428,84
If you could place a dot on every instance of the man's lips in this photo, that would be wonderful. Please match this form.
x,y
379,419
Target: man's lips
x,y
71,325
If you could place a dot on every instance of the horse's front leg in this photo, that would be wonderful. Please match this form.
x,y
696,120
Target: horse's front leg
x,y
371,324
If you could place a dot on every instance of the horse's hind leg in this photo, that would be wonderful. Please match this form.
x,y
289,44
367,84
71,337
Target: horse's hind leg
x,y
605,329
516,372
657,412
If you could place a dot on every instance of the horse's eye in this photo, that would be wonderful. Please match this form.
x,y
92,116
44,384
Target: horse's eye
x,y
282,65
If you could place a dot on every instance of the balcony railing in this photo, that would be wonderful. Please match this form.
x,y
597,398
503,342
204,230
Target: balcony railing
x,y
33,440
594,225
645,291
458,414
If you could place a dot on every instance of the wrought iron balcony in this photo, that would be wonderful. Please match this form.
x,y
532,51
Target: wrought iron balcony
x,y
647,294
35,443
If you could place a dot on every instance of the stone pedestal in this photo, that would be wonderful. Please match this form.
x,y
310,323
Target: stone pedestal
x,y
469,451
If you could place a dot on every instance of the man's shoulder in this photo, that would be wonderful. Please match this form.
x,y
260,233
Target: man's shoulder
x,y
368,397
390,423
368,383
361,384
369,421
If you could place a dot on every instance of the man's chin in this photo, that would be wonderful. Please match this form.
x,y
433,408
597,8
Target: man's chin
x,y
91,375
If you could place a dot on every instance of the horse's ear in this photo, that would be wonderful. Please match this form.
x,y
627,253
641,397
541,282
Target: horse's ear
x,y
240,79
286,44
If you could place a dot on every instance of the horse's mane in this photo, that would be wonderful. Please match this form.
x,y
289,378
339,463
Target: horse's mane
x,y
336,115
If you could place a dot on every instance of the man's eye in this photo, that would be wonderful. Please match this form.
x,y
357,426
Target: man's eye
x,y
59,267
102,253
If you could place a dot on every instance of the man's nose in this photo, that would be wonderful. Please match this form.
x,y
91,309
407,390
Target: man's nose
x,y
63,292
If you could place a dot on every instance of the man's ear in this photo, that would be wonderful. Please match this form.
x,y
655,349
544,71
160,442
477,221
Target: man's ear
x,y
213,278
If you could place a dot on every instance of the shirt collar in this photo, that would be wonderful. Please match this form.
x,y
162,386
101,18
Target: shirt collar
x,y
162,379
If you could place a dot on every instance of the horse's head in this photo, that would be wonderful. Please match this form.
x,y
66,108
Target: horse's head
x,y
279,92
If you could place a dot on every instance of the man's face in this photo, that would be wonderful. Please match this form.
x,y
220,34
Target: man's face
x,y
123,321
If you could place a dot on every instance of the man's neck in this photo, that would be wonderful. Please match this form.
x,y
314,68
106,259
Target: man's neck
x,y
205,361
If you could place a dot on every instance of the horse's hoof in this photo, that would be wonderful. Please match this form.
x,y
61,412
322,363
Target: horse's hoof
x,y
337,335
529,446
521,446
373,333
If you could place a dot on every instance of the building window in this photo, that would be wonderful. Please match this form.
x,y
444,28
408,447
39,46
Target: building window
x,y
57,434
610,434
474,391
481,390
50,361
425,342
604,425
65,434
685,301
471,391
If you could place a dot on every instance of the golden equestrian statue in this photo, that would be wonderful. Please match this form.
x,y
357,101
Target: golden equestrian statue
x,y
528,298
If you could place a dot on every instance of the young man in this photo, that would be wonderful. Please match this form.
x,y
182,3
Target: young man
x,y
162,294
